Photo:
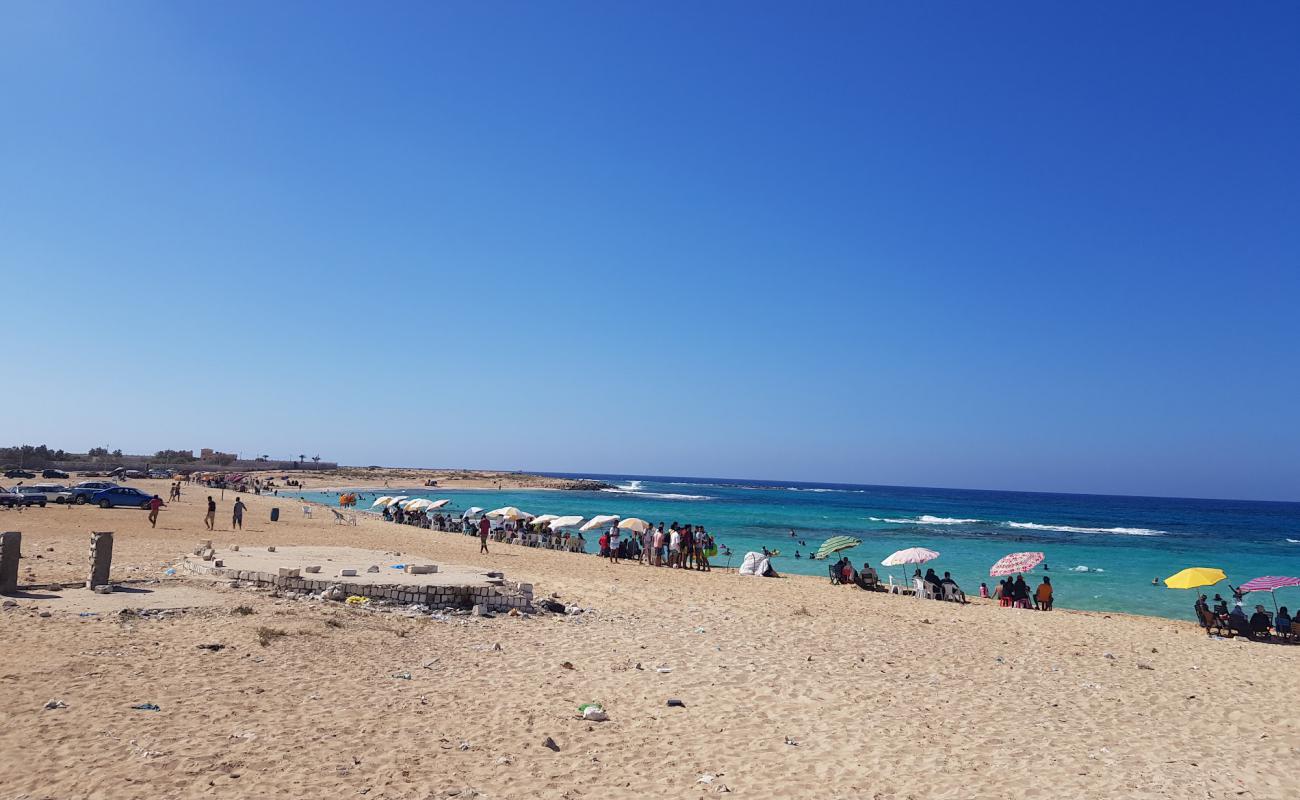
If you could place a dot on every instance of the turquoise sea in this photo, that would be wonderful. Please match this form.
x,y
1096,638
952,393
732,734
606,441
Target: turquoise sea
x,y
1101,551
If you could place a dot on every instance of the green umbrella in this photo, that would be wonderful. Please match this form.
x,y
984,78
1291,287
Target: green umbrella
x,y
836,544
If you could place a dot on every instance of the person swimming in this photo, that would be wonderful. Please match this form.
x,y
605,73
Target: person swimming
x,y
796,554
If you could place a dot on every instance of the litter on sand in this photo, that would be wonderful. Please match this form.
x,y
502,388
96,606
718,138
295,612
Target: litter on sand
x,y
146,707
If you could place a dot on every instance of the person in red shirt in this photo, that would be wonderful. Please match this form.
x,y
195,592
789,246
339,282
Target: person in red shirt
x,y
155,504
484,528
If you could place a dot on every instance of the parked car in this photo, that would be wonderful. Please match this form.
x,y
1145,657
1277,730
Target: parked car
x,y
12,497
54,473
160,474
82,492
19,473
49,492
121,496
93,473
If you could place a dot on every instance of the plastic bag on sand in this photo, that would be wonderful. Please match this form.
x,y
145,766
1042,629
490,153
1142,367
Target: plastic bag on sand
x,y
593,712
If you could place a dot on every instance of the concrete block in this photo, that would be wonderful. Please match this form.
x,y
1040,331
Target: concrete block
x,y
287,572
101,558
218,563
270,549
10,552
347,573
312,570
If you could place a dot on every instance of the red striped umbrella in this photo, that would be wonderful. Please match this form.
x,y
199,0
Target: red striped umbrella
x,y
1269,583
1014,563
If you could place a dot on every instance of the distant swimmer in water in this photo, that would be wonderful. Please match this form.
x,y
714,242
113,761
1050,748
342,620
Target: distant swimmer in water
x,y
1155,581
792,533
796,554
1046,568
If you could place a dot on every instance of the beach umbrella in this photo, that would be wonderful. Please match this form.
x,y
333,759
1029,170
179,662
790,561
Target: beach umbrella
x,y
543,519
416,504
912,555
471,511
396,500
508,512
1015,563
634,524
565,522
836,544
1270,584
438,503
1195,578
599,521
382,501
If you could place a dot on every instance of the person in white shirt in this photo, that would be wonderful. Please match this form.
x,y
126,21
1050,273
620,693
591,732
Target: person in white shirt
x,y
675,548
613,543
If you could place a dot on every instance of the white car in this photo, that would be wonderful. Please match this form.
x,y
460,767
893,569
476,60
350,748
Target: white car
x,y
52,492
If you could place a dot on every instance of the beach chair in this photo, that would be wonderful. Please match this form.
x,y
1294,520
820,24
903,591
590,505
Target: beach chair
x,y
921,589
953,594
1212,624
835,573
306,511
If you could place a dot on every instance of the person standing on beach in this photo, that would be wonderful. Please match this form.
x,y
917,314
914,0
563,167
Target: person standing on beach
x,y
658,543
237,514
613,543
155,503
210,518
484,528
674,547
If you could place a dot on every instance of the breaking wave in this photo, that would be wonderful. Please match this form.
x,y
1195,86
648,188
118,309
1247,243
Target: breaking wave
x,y
925,519
655,495
1034,526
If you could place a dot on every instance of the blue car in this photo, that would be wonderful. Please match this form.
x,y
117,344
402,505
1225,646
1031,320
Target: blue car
x,y
121,496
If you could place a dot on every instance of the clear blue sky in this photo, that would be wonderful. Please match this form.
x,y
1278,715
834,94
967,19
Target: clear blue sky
x,y
1022,245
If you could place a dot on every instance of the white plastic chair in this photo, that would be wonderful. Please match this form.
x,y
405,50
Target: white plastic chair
x,y
306,511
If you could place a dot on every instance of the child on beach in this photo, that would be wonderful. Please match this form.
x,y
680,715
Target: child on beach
x,y
155,503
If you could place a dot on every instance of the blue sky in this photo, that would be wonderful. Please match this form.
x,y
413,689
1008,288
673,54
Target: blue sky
x,y
1042,246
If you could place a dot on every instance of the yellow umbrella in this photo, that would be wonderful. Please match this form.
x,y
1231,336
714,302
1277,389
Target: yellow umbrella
x,y
1195,577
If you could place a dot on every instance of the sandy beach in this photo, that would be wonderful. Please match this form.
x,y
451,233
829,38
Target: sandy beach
x,y
791,687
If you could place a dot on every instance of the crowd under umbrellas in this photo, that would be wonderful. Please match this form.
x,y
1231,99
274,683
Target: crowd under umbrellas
x,y
683,546
1217,618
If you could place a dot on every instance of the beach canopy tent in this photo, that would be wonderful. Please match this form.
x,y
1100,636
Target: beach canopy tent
x,y
508,512
634,524
381,501
1195,578
471,511
600,521
1015,563
912,555
1270,584
757,564
565,522
835,544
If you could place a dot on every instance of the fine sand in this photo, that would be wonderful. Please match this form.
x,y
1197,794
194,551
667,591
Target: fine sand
x,y
792,687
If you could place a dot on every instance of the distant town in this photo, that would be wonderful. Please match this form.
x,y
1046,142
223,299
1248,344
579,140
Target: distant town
x,y
97,458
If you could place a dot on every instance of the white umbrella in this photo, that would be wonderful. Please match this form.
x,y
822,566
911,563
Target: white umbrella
x,y
599,521
438,503
565,522
912,555
382,501
416,504
634,524
544,519
469,512
508,512
396,500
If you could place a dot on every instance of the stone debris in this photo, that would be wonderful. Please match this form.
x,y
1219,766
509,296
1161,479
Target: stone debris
x,y
53,704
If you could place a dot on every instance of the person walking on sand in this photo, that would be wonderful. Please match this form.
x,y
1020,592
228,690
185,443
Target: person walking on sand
x,y
237,514
210,518
155,503
484,528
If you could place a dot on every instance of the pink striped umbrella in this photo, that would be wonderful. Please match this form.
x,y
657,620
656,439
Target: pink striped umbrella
x,y
1016,562
1269,583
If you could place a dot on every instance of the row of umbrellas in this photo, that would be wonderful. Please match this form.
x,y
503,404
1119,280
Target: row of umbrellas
x,y
558,522
408,503
1007,565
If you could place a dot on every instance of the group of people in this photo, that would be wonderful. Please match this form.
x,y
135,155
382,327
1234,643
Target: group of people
x,y
678,546
842,572
1015,593
1260,625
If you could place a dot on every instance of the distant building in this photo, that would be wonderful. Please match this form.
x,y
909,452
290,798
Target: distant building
x,y
208,454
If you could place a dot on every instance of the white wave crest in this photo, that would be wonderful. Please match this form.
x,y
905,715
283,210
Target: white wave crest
x,y
1034,526
925,519
1084,568
657,495
1294,541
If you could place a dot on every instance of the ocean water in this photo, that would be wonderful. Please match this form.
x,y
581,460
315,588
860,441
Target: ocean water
x,y
1101,551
